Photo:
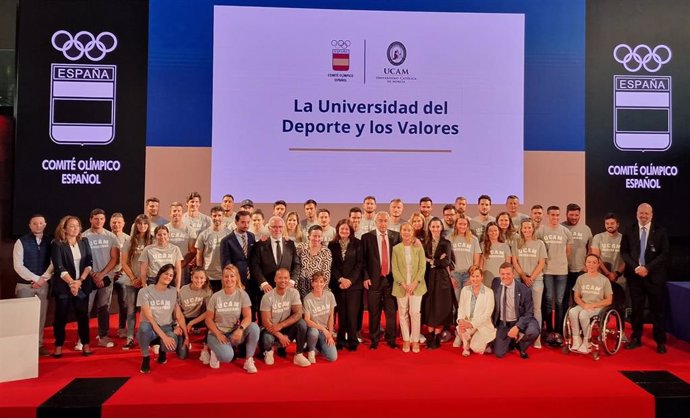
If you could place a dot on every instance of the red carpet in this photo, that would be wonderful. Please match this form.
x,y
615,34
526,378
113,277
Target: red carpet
x,y
380,383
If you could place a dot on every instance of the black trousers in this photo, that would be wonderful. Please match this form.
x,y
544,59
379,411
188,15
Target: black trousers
x,y
641,289
80,304
379,300
349,304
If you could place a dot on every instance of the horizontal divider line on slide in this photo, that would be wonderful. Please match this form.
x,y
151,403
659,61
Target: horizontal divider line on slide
x,y
370,150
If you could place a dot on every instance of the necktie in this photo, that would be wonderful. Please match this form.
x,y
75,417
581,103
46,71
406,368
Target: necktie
x,y
384,256
244,245
504,305
279,252
643,245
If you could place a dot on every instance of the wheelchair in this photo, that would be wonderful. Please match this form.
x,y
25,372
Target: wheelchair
x,y
605,332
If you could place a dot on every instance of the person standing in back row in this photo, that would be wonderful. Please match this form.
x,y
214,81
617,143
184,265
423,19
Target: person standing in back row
x,y
645,250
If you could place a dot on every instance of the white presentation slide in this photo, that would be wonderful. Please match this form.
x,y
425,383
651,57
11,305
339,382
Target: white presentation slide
x,y
335,105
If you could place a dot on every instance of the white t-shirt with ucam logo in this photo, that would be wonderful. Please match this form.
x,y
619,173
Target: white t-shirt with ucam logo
x,y
280,306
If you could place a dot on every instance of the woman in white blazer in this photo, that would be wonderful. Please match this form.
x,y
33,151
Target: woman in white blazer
x,y
475,308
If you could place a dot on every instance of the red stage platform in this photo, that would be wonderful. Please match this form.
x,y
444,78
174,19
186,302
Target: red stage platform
x,y
382,382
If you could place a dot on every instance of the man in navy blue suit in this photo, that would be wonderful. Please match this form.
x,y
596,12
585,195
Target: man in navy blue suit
x,y
236,249
645,250
513,314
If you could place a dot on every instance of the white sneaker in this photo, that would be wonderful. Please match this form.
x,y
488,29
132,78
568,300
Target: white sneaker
x,y
457,342
311,356
214,363
205,357
156,348
78,346
301,361
249,365
105,342
584,348
422,339
268,357
577,342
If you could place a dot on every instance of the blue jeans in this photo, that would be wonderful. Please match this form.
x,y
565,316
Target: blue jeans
x,y
462,279
317,340
554,289
146,334
127,301
225,352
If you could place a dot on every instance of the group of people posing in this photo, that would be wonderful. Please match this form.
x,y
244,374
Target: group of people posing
x,y
498,283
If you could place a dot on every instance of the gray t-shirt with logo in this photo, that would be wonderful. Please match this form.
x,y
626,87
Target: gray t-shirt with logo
x,y
228,308
162,304
101,244
610,249
319,307
582,238
280,306
556,240
529,255
593,289
193,302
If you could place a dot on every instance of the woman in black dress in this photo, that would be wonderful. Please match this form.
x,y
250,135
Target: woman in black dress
x,y
437,305
346,282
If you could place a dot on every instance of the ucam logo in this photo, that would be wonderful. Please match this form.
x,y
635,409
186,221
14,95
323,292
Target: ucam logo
x,y
82,96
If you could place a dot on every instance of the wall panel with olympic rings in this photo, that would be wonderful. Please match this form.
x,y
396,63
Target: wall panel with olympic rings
x,y
637,134
81,108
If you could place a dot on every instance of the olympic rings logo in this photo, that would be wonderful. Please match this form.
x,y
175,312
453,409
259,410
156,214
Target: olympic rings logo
x,y
340,44
642,56
83,43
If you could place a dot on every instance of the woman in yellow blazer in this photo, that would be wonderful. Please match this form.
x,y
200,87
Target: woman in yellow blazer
x,y
409,265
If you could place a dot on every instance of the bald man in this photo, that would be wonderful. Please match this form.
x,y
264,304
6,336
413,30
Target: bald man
x,y
645,250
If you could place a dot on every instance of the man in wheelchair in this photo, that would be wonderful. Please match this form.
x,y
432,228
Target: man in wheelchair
x,y
592,292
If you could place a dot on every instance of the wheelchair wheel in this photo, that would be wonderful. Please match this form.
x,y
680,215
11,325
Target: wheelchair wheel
x,y
567,335
611,330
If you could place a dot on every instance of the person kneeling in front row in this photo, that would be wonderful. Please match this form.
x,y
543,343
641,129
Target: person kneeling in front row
x,y
513,314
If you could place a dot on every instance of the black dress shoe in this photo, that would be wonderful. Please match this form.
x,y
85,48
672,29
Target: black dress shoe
x,y
339,346
392,344
633,343
523,355
56,355
86,353
352,347
661,348
374,345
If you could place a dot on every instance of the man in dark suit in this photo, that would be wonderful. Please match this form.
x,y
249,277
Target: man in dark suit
x,y
513,314
236,249
272,254
645,250
378,279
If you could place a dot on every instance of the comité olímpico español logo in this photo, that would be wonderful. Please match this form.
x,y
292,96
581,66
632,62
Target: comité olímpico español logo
x,y
642,117
82,96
